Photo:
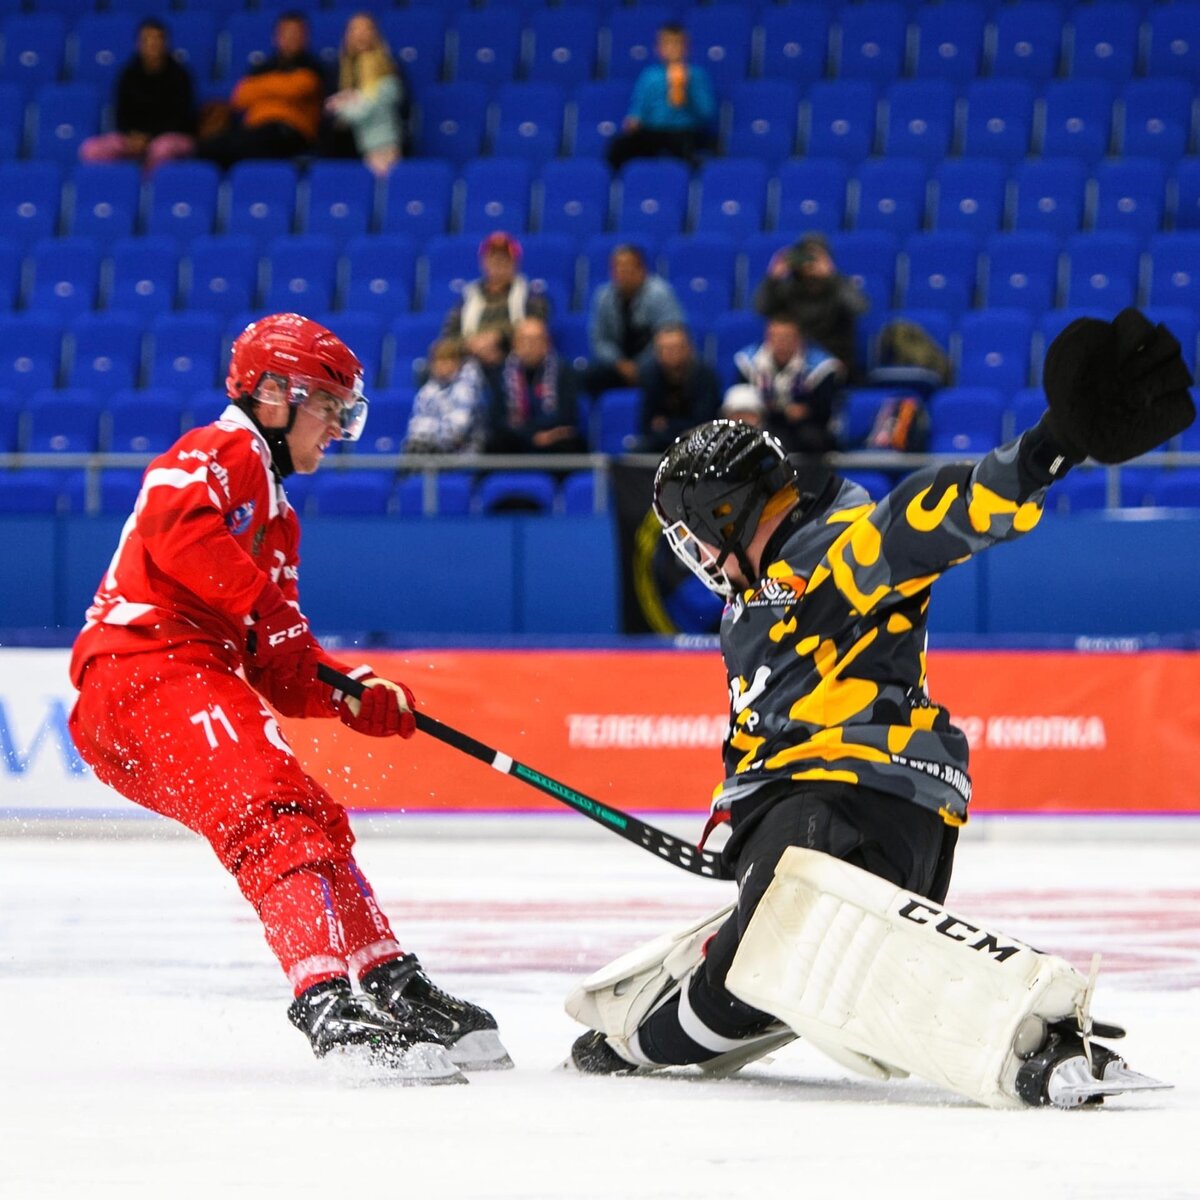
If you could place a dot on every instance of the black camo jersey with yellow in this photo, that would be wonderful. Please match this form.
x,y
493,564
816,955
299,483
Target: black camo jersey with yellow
x,y
826,655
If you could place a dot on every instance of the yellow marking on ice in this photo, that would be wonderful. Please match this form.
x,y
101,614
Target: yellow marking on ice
x,y
847,515
828,744
897,623
822,773
923,519
834,700
781,629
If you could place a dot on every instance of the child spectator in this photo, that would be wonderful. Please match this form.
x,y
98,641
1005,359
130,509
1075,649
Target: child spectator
x,y
448,412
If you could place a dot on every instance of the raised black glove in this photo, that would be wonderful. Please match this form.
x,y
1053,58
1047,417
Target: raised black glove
x,y
1116,388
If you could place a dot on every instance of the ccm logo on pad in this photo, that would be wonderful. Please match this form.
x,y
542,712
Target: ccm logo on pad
x,y
920,913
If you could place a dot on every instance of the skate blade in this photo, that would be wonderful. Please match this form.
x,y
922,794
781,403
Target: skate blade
x,y
757,1050
422,1065
1079,1087
481,1050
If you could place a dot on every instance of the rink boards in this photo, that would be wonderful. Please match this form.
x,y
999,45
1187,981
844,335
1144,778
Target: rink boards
x,y
1051,732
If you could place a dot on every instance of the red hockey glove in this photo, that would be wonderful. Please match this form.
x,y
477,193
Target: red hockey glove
x,y
278,639
385,708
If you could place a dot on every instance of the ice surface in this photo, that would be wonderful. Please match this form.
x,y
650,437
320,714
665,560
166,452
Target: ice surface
x,y
144,1049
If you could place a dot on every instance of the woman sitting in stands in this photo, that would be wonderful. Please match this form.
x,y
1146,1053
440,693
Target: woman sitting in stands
x,y
370,93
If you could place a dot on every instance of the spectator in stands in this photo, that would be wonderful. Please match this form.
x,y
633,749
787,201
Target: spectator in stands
x,y
370,94
625,315
672,108
535,409
276,107
802,282
679,390
493,304
450,410
799,382
156,112
743,403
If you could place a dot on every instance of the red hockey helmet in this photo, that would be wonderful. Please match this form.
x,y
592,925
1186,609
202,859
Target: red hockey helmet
x,y
306,358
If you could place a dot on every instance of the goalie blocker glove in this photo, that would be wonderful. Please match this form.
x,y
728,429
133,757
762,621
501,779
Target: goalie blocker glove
x,y
1115,389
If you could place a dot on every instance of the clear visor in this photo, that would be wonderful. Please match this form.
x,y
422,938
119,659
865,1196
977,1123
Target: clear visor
x,y
333,405
698,558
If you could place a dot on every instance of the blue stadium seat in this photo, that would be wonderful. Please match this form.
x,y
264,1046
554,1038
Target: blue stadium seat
x,y
194,41
412,334
942,269
249,37
30,351
1103,43
920,118
451,263
1137,486
102,44
966,420
949,41
12,119
341,200
999,119
363,333
326,28
144,421
764,119
841,119
873,40
1156,118
387,421
105,201
548,262
631,39
351,494
380,273
10,420
66,113
654,197
204,406
33,48
1049,196
1174,44
530,121
63,421
600,108
1102,270
1175,270
183,199
812,194
417,44
262,199
489,44
301,270
994,349
1022,270
515,491
116,491
891,195
30,196
719,37
574,198
731,332
1177,489
564,45
223,273
857,417
969,196
1025,409
1182,322
497,195
145,276
578,492
185,351
868,256
618,416
418,198
452,495
29,492
795,41
1187,182
105,352
1130,195
1028,40
700,268
63,276
569,332
1077,119
10,274
733,195
451,121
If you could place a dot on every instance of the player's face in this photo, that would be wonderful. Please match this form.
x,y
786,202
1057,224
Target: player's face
x,y
317,425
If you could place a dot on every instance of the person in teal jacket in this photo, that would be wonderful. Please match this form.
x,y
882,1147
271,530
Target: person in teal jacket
x,y
370,93
672,108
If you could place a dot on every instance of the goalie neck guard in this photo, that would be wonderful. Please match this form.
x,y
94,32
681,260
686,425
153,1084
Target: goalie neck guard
x,y
710,490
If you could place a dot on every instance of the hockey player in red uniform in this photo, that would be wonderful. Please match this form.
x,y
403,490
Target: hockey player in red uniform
x,y
196,625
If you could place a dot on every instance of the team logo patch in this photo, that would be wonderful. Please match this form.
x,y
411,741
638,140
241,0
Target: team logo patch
x,y
239,520
775,592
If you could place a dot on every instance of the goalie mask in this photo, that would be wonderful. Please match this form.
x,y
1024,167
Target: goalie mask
x,y
710,491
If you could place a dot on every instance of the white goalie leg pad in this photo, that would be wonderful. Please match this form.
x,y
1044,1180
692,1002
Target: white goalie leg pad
x,y
870,972
618,997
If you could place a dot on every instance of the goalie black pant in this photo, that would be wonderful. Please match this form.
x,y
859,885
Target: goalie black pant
x,y
889,836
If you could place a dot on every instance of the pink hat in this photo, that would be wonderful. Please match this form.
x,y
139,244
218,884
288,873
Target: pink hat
x,y
500,243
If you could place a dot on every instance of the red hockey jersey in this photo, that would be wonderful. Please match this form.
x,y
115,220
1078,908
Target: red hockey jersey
x,y
210,526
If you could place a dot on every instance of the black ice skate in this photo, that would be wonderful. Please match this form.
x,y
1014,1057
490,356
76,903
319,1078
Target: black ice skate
x,y
1069,1071
337,1022
592,1055
402,989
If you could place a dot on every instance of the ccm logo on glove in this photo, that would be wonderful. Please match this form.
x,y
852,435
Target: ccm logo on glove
x,y
385,709
278,636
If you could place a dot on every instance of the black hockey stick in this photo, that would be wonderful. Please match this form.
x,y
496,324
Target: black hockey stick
x,y
649,837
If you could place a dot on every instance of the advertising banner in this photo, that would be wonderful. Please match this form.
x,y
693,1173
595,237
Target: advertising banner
x,y
1051,732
